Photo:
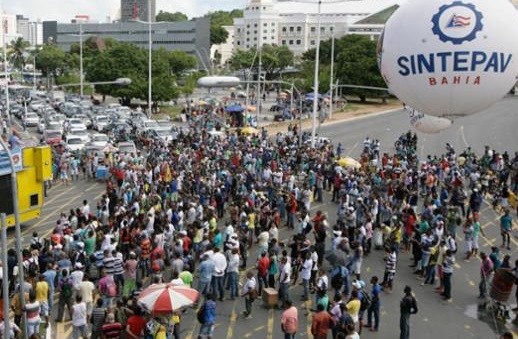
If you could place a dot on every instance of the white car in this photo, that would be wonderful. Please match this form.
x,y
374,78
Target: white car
x,y
80,132
99,140
54,125
74,143
76,124
163,133
99,122
149,125
32,119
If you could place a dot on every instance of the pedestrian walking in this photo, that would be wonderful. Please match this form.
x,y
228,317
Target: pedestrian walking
x,y
249,292
407,306
321,324
289,320
207,317
447,272
374,308
486,270
79,317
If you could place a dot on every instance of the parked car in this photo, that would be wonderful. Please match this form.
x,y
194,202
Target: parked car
x,y
99,122
74,143
127,147
54,125
98,140
161,133
53,137
80,132
84,118
31,119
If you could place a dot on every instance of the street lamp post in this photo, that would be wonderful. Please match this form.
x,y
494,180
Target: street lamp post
x,y
81,60
6,74
149,70
315,80
331,75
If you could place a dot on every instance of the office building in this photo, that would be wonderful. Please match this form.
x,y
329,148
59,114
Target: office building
x,y
8,27
294,24
189,36
137,10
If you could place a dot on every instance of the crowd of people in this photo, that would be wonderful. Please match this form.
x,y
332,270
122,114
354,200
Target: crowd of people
x,y
196,210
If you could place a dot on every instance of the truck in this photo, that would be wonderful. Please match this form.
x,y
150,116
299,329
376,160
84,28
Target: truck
x,y
33,166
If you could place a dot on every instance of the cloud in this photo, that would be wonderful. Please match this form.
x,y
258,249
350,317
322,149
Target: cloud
x,y
65,10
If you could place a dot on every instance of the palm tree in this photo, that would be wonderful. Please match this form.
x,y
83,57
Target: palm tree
x,y
16,52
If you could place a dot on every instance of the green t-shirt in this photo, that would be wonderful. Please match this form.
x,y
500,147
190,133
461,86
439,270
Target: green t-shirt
x,y
90,245
186,277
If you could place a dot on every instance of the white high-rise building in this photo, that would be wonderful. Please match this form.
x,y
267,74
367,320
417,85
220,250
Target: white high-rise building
x,y
8,27
36,33
294,24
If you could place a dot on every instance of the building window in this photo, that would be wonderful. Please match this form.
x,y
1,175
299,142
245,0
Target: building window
x,y
298,42
312,42
272,24
239,43
291,42
292,29
255,25
255,32
247,32
247,39
283,42
239,30
265,24
247,26
264,8
322,29
265,31
255,39
331,28
264,38
299,29
313,29
247,46
273,30
284,29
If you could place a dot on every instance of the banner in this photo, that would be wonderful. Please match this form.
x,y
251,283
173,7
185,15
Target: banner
x,y
5,167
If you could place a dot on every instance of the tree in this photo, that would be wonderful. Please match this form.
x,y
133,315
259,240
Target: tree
x,y
355,64
16,52
180,61
168,16
50,60
218,19
274,59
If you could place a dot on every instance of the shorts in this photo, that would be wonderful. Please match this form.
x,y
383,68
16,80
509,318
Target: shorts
x,y
475,243
89,308
63,175
44,308
206,330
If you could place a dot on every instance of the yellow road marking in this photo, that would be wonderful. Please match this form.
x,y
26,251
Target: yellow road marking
x,y
259,328
233,319
271,314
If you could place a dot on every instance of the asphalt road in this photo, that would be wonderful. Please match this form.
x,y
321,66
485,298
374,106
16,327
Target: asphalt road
x,y
435,319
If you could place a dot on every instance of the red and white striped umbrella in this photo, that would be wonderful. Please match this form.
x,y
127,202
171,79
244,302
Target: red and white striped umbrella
x,y
165,298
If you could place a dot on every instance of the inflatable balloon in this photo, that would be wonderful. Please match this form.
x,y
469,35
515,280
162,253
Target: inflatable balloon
x,y
450,58
427,123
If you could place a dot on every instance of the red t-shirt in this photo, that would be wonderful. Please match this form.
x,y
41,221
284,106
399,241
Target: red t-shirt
x,y
136,324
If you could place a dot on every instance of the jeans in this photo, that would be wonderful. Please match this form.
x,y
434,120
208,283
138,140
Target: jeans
x,y
374,310
482,286
217,287
79,331
33,327
203,287
291,220
232,281
61,307
107,300
263,282
447,285
283,292
404,326
248,305
430,275
305,284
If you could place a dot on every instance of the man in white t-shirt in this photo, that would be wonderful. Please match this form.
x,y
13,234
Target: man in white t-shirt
x,y
305,274
284,280
86,290
79,318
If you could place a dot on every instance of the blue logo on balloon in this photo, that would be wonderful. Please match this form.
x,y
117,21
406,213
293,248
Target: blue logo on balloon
x,y
457,22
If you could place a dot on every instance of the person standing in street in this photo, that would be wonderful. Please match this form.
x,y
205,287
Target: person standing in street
x,y
79,316
408,306
208,315
322,323
250,293
447,272
506,225
374,308
486,269
289,320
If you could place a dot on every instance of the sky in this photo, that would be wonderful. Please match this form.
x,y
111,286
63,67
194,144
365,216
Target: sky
x,y
65,10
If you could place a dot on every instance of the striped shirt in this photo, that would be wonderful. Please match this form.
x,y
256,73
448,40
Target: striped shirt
x,y
447,264
390,263
118,266
109,265
98,317
111,330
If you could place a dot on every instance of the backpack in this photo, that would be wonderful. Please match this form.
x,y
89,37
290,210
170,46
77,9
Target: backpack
x,y
111,287
33,270
66,288
366,300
